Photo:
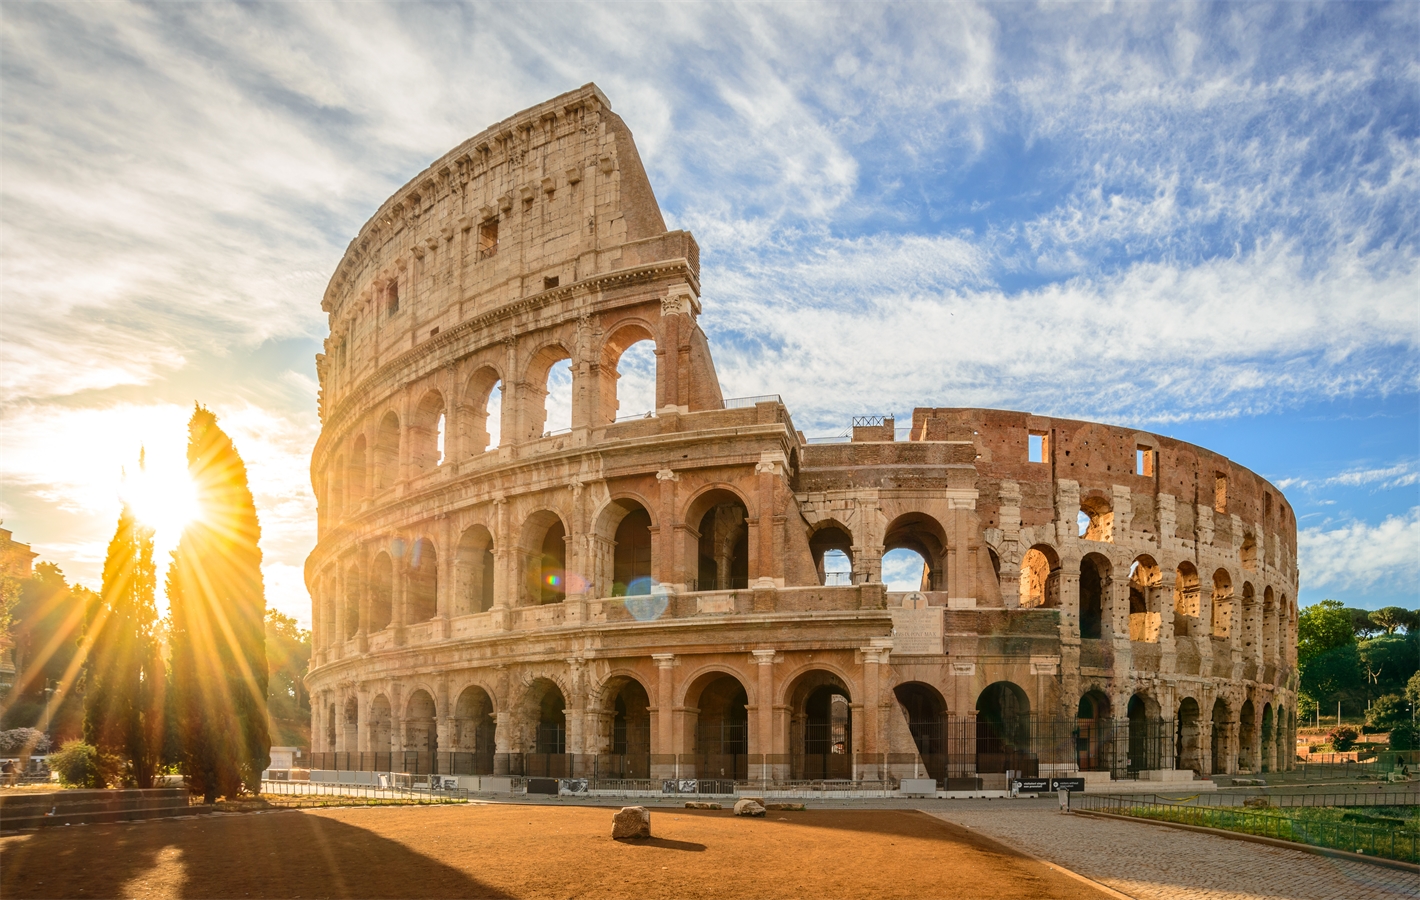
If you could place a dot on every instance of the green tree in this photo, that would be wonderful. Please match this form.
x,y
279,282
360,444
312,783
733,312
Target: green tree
x,y
1362,625
48,624
288,651
1327,657
1391,618
218,611
1388,712
1412,689
123,672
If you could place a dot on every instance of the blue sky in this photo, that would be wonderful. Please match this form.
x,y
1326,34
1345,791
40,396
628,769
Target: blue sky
x,y
1200,220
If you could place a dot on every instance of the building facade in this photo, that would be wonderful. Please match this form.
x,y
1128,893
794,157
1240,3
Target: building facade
x,y
649,595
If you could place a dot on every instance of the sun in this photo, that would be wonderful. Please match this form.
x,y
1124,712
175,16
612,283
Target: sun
x,y
162,498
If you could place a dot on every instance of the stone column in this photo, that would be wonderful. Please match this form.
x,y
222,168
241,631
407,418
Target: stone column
x,y
505,583
762,738
868,761
766,570
664,743
667,550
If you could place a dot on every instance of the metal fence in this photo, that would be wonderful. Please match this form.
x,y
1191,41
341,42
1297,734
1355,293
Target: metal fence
x,y
1384,841
396,789
959,746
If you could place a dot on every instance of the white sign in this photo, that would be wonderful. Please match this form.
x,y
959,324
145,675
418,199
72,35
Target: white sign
x,y
917,632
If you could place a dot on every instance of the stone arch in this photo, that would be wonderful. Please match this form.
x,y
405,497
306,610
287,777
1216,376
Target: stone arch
x,y
1040,577
1188,735
387,453
1186,599
622,337
1247,553
1145,581
926,711
1270,630
426,434
535,389
422,591
381,592
1095,521
381,725
623,562
1092,732
1095,570
1221,724
1147,735
820,725
354,590
719,516
623,737
1222,623
474,568
1268,743
1251,620
474,732
831,537
351,725
1247,750
420,716
355,479
475,435
1003,730
717,724
544,551
542,720
923,535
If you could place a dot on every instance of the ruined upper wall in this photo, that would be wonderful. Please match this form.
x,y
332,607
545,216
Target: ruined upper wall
x,y
537,203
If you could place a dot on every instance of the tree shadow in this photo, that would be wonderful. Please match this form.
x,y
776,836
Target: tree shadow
x,y
227,856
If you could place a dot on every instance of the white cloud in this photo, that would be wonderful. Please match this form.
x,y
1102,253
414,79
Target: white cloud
x,y
1360,555
1402,474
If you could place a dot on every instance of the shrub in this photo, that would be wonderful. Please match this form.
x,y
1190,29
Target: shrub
x,y
16,741
81,765
1343,738
1388,712
1404,737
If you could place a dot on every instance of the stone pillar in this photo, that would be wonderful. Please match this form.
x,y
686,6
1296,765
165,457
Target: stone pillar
x,y
1070,603
505,556
667,553
664,743
868,761
766,568
678,310
762,737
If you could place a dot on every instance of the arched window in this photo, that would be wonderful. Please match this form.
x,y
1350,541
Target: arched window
x,y
381,592
474,570
337,486
481,417
832,549
387,453
545,549
1094,583
1040,578
426,434
423,581
908,539
628,374
1221,625
1144,581
721,726
1096,518
723,548
1185,599
631,562
1003,730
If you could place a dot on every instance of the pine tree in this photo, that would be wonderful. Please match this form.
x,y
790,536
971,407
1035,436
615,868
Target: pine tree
x,y
218,610
123,671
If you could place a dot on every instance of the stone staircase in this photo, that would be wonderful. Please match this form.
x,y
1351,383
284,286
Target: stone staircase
x,y
19,811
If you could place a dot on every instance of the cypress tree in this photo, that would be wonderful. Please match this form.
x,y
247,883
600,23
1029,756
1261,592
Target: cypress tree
x,y
123,669
218,611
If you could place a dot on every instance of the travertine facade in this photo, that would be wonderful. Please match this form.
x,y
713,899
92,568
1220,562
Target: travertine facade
x,y
648,597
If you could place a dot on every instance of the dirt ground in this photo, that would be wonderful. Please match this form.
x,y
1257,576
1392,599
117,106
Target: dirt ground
x,y
505,851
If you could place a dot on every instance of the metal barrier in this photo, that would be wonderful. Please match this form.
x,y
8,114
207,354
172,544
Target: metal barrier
x,y
399,788
1384,841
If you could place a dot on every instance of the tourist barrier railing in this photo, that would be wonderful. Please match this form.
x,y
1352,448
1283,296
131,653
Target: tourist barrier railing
x,y
1385,841
394,788
1407,795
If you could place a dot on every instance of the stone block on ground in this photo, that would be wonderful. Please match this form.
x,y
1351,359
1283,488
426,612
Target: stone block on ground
x,y
748,807
630,823
701,804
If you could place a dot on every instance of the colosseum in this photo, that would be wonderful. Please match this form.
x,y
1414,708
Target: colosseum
x,y
695,591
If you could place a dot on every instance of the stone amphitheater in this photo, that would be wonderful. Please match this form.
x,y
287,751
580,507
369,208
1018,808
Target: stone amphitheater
x,y
696,590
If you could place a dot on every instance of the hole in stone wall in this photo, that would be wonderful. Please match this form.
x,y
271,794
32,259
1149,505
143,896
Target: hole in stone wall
x,y
488,239
559,398
1144,461
1039,447
551,281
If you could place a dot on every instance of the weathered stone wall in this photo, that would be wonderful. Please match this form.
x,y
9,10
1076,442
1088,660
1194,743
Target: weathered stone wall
x,y
461,593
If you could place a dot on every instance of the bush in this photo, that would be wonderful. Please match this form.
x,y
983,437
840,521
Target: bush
x,y
80,765
17,741
1388,712
1343,738
1404,737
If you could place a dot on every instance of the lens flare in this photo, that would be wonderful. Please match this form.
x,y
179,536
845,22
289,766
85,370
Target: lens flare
x,y
164,499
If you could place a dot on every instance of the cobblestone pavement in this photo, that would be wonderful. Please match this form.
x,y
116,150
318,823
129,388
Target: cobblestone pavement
x,y
1150,862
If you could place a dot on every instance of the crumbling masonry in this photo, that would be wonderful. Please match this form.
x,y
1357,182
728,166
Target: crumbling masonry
x,y
653,596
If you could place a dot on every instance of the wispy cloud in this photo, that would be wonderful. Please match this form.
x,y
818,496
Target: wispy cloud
x,y
1359,555
1402,474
